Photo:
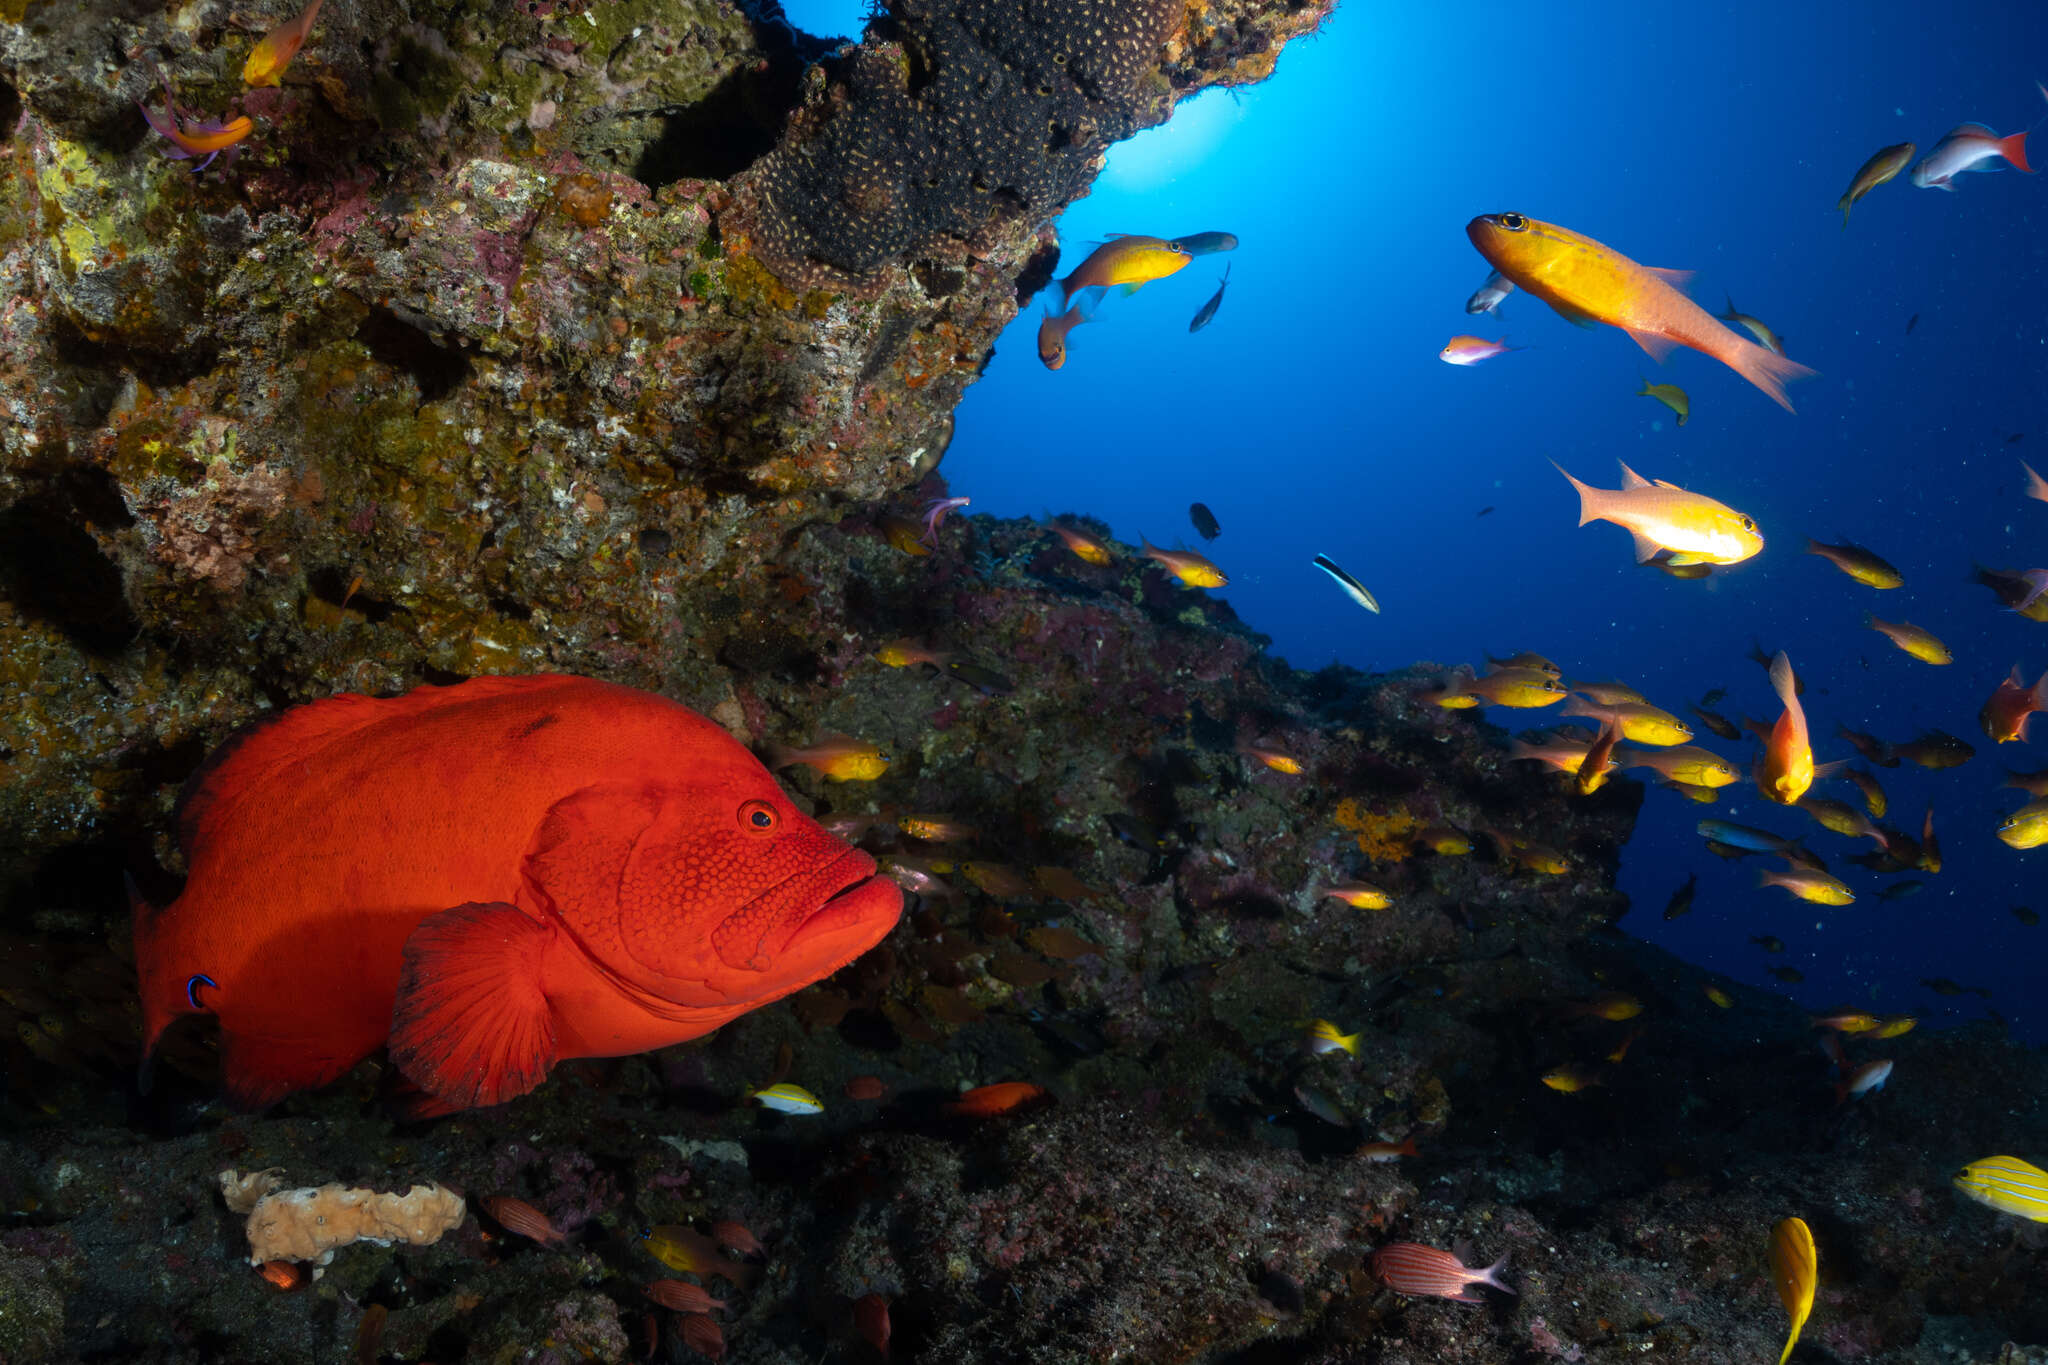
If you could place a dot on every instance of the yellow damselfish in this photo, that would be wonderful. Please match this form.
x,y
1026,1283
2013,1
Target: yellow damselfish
x,y
1796,1271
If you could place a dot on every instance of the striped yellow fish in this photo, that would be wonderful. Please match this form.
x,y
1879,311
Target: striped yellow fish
x,y
2007,1184
1795,1270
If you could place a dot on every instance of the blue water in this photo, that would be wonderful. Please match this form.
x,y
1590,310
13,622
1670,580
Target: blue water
x,y
1314,414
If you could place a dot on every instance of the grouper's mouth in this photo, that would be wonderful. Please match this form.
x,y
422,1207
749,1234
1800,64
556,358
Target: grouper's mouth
x,y
857,910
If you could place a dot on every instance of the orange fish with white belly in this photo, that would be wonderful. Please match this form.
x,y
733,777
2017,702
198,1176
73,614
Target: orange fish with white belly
x,y
1785,770
1661,516
1587,283
491,877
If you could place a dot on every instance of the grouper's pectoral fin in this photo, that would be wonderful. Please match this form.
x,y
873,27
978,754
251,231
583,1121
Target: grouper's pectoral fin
x,y
471,1025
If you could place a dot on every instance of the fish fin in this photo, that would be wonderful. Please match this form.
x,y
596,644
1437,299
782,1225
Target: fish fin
x,y
1574,316
1823,771
1124,291
471,1025
2014,149
1591,500
1647,549
1781,680
1654,344
1677,279
1493,1275
1631,479
1465,1296
1765,368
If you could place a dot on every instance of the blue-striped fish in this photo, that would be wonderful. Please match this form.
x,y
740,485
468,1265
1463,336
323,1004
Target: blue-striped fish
x,y
2007,1184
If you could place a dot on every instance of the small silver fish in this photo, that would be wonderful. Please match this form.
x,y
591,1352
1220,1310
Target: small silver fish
x,y
1487,297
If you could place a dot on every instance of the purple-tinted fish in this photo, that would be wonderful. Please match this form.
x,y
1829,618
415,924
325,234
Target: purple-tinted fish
x,y
935,516
1468,350
206,137
1969,147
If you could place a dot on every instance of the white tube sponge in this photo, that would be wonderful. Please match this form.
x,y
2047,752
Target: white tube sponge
x,y
307,1225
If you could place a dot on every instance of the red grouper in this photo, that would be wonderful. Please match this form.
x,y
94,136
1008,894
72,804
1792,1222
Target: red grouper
x,y
1587,283
491,878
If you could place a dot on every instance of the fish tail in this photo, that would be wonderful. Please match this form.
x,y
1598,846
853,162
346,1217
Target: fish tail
x,y
1591,504
1492,1275
1764,368
2014,149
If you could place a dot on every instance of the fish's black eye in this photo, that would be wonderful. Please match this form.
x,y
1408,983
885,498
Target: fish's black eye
x,y
758,817
1748,525
1513,222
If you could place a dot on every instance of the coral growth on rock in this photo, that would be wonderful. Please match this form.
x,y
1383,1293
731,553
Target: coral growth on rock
x,y
311,1224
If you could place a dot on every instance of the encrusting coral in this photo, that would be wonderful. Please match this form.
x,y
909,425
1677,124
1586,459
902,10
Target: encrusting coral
x,y
308,1224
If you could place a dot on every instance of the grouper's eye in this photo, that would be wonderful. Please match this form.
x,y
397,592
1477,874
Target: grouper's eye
x,y
758,817
1513,222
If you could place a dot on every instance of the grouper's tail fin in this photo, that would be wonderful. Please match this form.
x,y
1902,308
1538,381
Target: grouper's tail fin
x,y
1766,369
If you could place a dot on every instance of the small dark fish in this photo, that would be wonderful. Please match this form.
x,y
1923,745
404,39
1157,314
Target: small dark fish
x,y
2015,438
982,679
1204,520
1791,976
2025,915
1900,890
1941,985
1716,722
1207,243
1768,942
1207,312
1483,511
1321,1105
1911,323
1713,696
1681,899
1135,832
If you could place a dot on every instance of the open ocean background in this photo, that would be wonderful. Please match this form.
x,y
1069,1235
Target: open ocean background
x,y
1314,415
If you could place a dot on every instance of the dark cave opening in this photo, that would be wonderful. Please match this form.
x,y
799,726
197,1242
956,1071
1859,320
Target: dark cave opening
x,y
437,369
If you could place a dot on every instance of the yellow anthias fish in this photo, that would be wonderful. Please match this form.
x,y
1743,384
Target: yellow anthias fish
x,y
1361,895
1516,687
1444,840
1572,1079
1084,546
1860,564
1324,1036
1809,885
1917,642
1718,996
840,758
1278,760
906,653
1894,1026
1670,395
1614,1006
1126,261
269,58
1796,1271
1639,722
1189,567
1587,282
2007,1184
1686,764
1663,516
2026,827
1883,165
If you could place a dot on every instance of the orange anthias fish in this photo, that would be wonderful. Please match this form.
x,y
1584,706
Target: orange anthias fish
x,y
1663,516
1785,769
1084,546
491,877
271,56
1190,568
203,138
1469,350
1052,333
1126,261
1587,282
987,1101
2004,717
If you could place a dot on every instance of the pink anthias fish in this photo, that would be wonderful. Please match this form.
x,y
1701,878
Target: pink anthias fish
x,y
935,516
2037,582
1467,350
1969,147
1412,1268
206,137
